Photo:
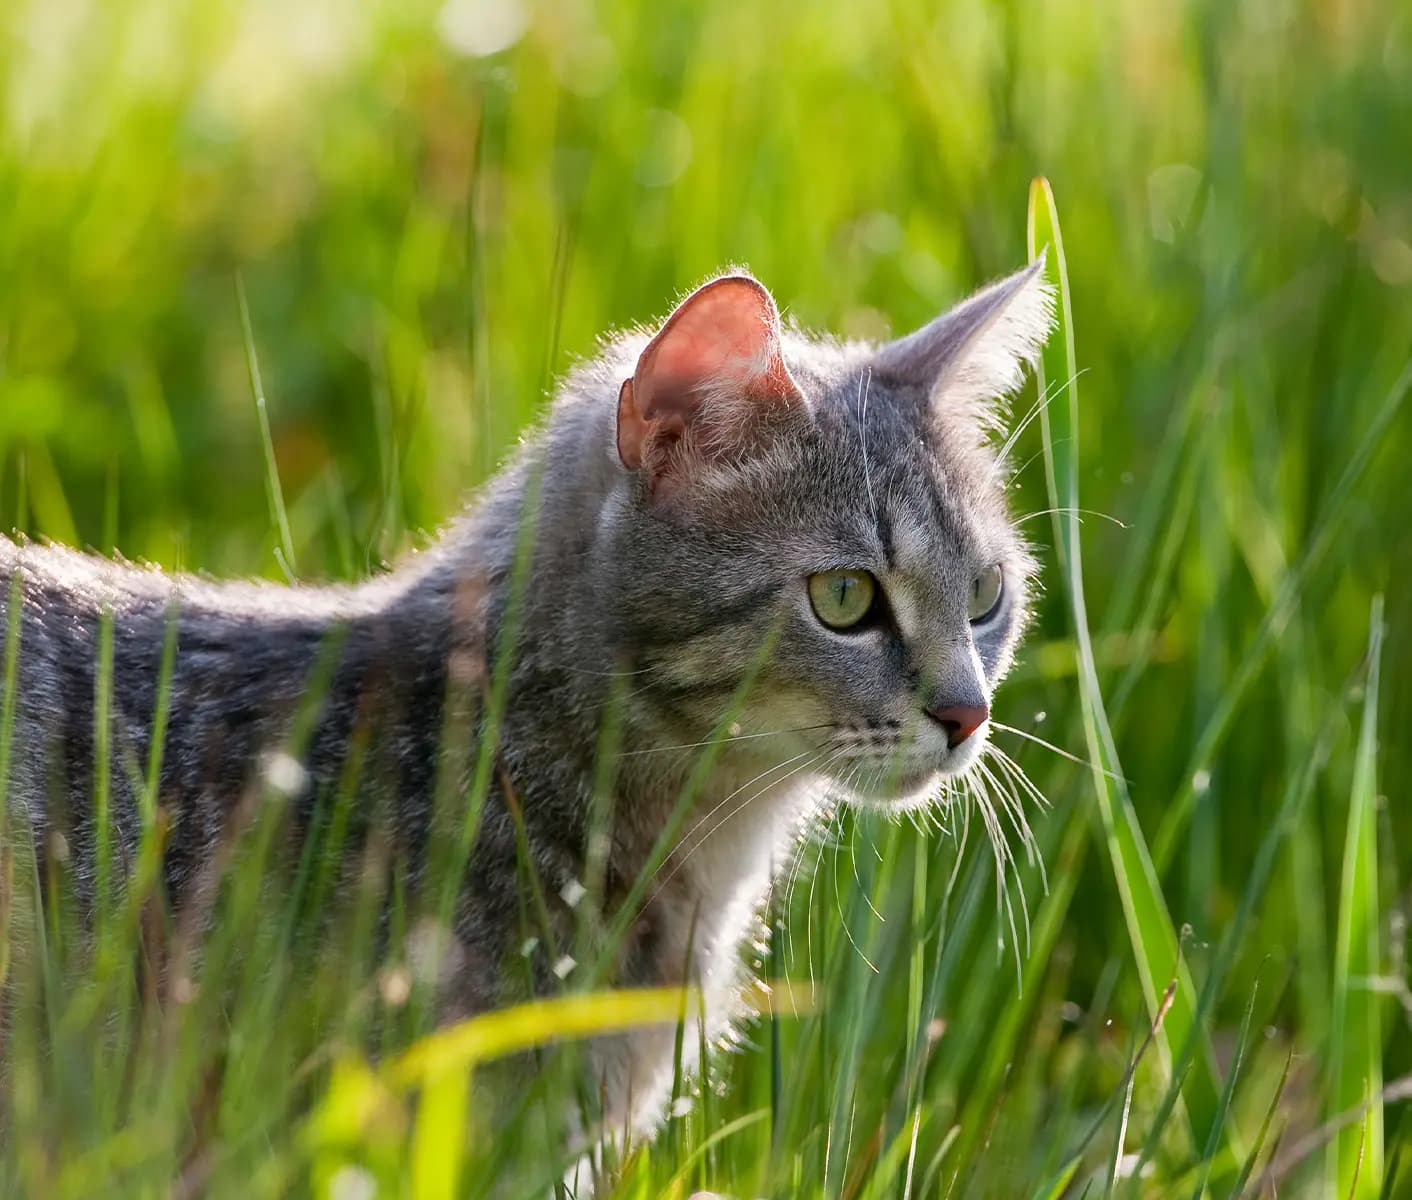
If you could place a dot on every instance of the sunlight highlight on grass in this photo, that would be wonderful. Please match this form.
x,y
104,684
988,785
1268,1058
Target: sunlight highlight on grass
x,y
535,1023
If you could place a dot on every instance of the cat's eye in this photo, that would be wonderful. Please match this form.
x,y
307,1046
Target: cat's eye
x,y
985,595
841,599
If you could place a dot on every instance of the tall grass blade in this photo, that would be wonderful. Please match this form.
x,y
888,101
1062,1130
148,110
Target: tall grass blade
x,y
1355,1157
1156,951
274,493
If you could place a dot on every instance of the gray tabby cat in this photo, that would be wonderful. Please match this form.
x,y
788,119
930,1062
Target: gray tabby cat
x,y
730,522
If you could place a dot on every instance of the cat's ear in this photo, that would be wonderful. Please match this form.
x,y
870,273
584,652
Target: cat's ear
x,y
707,386
978,351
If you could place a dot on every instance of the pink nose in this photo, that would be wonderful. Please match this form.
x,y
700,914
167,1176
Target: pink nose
x,y
959,721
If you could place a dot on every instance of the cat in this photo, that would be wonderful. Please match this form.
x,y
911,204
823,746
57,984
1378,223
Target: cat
x,y
779,566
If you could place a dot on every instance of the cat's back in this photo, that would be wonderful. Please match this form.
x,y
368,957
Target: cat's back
x,y
71,621
52,591
49,601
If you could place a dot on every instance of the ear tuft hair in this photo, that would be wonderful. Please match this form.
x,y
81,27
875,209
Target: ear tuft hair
x,y
976,353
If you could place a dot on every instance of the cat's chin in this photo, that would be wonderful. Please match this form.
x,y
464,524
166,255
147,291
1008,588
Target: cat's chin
x,y
908,784
902,798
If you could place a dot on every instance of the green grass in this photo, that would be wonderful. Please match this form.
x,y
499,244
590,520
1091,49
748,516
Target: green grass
x,y
1166,980
393,247
1356,1053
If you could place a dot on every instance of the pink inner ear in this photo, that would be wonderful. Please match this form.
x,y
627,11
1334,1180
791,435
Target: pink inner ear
x,y
720,348
724,338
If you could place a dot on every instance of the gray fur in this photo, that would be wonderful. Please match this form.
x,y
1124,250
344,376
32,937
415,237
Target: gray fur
x,y
669,602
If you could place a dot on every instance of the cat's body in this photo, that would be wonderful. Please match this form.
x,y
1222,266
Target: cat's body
x,y
681,499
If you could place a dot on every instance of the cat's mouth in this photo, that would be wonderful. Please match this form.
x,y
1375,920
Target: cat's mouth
x,y
892,768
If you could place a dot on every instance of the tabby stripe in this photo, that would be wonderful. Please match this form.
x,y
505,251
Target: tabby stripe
x,y
669,690
884,519
737,612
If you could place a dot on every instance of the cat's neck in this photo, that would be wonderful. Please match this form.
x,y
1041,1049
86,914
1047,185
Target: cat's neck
x,y
737,827
739,831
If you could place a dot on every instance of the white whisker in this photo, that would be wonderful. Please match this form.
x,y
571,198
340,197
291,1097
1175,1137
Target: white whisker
x,y
1039,741
853,857
965,809
681,857
1005,811
864,390
1000,851
1014,806
1018,772
1079,512
1013,772
1051,393
842,917
808,834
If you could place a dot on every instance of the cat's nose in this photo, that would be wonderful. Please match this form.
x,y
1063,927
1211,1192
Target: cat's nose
x,y
959,720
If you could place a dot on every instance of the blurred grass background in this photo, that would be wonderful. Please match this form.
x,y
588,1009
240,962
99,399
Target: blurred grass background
x,y
435,208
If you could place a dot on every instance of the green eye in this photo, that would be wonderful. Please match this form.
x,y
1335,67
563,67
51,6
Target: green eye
x,y
985,594
841,598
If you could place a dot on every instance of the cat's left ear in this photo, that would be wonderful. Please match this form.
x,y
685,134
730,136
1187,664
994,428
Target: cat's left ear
x,y
978,351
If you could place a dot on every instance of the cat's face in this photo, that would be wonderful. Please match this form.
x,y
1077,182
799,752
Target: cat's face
x,y
819,532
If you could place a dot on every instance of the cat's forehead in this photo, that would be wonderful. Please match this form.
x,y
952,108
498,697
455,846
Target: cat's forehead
x,y
925,496
854,404
881,482
871,480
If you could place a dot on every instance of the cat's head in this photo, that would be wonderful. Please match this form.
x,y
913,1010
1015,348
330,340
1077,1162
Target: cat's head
x,y
825,523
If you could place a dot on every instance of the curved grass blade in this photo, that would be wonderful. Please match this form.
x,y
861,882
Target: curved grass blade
x,y
1154,941
534,1023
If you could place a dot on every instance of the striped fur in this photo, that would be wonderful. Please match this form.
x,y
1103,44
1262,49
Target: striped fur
x,y
666,604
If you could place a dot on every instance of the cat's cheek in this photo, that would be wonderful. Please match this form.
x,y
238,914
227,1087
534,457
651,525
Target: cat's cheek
x,y
996,650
